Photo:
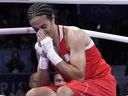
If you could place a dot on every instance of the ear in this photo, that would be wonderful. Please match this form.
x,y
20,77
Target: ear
x,y
53,18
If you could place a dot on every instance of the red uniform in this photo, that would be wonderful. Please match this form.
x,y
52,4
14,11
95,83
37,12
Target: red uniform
x,y
98,78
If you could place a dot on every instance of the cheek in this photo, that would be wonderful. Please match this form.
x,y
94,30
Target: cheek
x,y
48,28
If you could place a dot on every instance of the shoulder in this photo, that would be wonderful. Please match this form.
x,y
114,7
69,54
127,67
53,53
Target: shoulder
x,y
71,28
76,36
75,33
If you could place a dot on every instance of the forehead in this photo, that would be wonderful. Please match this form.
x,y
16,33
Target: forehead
x,y
38,20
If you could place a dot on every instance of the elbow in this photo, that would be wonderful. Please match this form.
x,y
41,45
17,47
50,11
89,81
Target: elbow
x,y
81,77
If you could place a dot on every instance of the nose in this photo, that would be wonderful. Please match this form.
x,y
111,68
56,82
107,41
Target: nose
x,y
41,30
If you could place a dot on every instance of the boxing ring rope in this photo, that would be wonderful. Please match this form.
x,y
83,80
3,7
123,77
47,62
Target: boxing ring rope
x,y
69,1
29,30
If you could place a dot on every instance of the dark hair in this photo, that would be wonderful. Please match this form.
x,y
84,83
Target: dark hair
x,y
39,9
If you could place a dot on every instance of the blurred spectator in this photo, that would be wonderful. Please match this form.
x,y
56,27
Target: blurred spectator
x,y
58,80
15,65
33,80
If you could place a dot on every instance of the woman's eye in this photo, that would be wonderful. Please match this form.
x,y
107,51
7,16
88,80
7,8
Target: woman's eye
x,y
58,80
43,26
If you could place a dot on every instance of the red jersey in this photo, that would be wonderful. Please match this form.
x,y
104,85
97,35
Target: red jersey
x,y
98,78
95,64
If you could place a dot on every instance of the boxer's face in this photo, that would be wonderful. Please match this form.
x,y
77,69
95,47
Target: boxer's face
x,y
42,23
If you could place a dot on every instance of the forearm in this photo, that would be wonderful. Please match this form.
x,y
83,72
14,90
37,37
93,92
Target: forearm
x,y
43,74
43,77
70,71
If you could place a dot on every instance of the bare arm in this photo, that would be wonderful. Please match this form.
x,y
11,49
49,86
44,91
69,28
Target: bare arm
x,y
76,70
43,78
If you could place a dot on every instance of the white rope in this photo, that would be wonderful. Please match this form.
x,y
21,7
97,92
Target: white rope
x,y
15,1
83,1
107,36
29,30
24,30
69,1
